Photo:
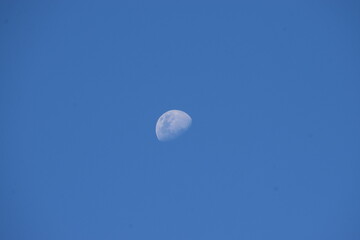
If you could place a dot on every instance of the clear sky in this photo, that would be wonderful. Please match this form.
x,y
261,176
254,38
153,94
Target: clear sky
x,y
273,88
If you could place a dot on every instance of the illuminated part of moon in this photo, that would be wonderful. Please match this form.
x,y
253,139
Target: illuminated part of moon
x,y
172,124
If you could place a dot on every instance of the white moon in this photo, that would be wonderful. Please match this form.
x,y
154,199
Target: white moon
x,y
172,124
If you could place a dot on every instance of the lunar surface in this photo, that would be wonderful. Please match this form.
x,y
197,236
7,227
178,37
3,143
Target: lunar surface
x,y
172,124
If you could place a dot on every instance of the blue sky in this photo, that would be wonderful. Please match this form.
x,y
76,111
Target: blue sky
x,y
272,88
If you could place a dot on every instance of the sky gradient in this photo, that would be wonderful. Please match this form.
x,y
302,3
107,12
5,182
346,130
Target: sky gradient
x,y
272,88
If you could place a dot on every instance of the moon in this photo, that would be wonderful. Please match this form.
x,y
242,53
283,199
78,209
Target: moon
x,y
172,124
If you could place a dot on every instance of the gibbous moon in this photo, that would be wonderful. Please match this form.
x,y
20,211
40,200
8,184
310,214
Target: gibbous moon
x,y
172,124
